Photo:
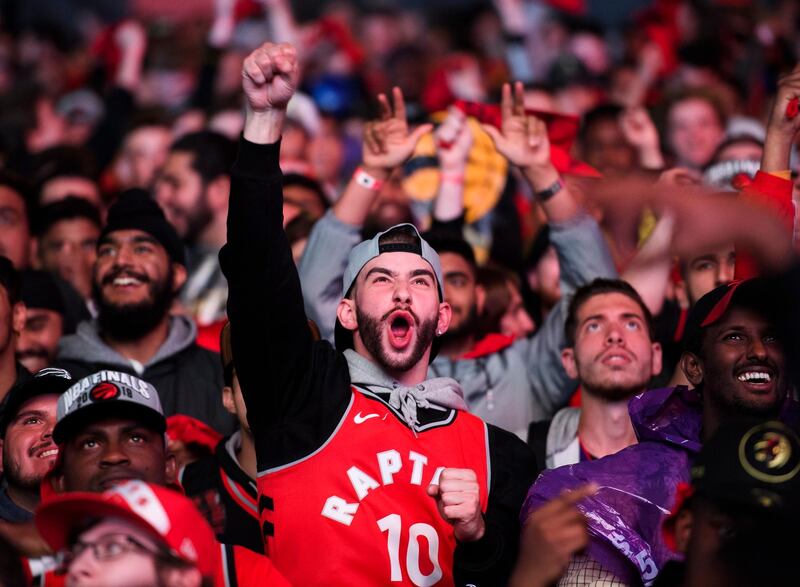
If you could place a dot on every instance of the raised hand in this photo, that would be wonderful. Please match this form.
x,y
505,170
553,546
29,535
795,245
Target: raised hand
x,y
458,498
788,89
270,76
131,36
453,141
522,138
387,141
781,129
131,39
639,129
679,176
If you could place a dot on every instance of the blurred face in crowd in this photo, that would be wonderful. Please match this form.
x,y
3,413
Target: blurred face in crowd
x,y
744,150
538,99
38,342
135,283
707,272
298,199
294,142
181,193
233,401
515,321
228,123
12,321
591,49
379,33
143,154
613,355
28,449
109,451
69,249
15,236
60,187
742,367
460,292
694,131
397,311
545,278
124,556
606,149
391,206
326,155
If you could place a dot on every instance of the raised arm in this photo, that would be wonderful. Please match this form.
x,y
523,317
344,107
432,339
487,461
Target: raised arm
x,y
388,143
453,142
522,139
582,252
772,186
288,411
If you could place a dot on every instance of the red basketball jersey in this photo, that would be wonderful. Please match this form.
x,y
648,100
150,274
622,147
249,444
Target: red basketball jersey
x,y
356,511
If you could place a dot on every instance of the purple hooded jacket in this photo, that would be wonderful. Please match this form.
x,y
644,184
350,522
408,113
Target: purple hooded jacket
x,y
636,485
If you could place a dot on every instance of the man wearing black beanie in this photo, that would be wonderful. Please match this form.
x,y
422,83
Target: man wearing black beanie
x,y
139,271
45,320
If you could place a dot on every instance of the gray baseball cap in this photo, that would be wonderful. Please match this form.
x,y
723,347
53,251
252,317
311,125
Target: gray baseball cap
x,y
107,394
381,243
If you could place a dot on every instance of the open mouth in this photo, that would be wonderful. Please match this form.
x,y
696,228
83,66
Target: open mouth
x,y
400,329
47,453
126,281
616,359
110,482
756,378
125,278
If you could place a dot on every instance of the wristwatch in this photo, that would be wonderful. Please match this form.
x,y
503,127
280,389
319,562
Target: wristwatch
x,y
551,190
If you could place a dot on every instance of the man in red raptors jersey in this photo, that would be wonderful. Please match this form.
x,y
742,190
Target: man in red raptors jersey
x,y
368,474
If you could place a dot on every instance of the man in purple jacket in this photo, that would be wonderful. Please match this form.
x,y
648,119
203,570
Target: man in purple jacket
x,y
737,368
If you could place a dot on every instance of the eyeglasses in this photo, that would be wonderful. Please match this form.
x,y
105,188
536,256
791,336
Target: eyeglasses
x,y
107,547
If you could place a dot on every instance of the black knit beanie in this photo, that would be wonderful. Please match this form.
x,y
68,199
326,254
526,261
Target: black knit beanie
x,y
136,210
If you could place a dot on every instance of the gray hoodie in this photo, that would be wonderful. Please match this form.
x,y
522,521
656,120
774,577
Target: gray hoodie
x,y
188,378
433,393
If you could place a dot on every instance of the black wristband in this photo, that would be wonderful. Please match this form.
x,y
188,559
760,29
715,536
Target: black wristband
x,y
551,190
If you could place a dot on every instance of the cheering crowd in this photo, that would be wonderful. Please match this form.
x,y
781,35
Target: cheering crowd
x,y
499,294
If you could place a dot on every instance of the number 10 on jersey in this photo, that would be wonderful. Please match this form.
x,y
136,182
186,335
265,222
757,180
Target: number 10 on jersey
x,y
393,526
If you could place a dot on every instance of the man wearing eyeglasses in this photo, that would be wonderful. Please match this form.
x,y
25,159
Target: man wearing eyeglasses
x,y
136,535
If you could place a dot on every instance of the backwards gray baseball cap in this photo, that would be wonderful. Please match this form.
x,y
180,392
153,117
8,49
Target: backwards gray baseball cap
x,y
394,240
107,394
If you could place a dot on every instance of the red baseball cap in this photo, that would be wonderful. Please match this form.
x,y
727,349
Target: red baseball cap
x,y
168,516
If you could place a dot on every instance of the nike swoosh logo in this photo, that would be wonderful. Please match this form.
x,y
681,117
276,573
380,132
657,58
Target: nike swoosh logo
x,y
359,419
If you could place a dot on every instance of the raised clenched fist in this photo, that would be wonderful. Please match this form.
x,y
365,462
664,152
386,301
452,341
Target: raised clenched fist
x,y
270,76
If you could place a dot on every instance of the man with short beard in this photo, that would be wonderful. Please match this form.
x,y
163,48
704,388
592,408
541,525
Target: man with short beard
x,y
139,270
28,453
26,430
356,449
610,350
12,321
192,188
45,322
